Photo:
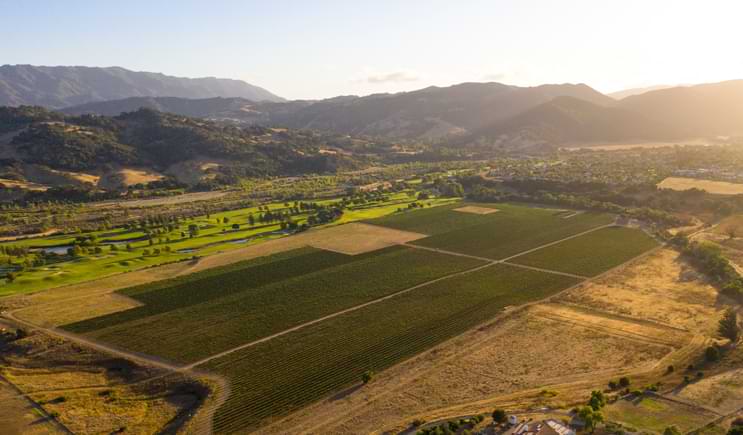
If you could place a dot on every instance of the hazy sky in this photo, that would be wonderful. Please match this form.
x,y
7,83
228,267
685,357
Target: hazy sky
x,y
314,49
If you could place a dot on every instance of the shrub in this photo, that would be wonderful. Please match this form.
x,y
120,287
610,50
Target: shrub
x,y
499,416
624,382
712,354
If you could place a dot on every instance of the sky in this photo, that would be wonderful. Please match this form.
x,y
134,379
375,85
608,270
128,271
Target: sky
x,y
319,49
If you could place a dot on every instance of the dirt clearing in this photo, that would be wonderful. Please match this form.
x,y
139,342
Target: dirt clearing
x,y
716,187
19,416
358,238
476,210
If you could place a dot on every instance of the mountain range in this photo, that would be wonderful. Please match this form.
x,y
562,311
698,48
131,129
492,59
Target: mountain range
x,y
494,113
61,86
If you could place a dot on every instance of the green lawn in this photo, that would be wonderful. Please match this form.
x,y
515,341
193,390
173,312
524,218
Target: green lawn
x,y
213,237
654,415
201,316
592,253
288,372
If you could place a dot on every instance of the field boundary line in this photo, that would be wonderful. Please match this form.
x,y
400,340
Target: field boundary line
x,y
547,245
539,269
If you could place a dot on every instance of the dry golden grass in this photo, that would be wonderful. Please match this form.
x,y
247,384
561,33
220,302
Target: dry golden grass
x,y
135,176
56,314
25,185
723,392
476,210
90,392
716,187
38,379
660,288
629,146
89,412
357,238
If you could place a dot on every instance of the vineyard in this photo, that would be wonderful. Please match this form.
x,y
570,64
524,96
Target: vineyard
x,y
288,329
592,253
249,302
278,376
512,230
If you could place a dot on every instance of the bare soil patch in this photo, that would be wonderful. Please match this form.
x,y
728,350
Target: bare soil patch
x,y
25,185
476,210
19,416
661,288
633,145
716,187
169,200
502,358
357,238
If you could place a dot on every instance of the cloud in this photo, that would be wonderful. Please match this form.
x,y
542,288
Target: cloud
x,y
393,77
497,77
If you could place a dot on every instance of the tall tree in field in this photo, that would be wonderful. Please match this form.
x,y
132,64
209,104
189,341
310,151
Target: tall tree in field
x,y
728,327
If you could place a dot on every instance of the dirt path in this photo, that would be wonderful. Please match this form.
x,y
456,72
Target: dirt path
x,y
336,314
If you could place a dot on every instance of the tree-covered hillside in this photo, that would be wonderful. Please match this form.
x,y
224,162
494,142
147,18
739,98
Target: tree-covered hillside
x,y
151,139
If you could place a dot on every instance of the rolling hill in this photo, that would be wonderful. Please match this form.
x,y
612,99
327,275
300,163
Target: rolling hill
x,y
571,120
714,109
41,146
61,86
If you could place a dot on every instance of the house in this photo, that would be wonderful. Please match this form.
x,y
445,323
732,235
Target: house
x,y
545,427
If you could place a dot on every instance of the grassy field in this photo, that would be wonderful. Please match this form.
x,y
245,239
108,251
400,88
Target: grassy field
x,y
513,229
654,414
194,317
283,374
214,236
592,253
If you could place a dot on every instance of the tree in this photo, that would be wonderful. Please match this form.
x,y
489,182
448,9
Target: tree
x,y
731,232
735,430
10,277
591,417
671,430
728,326
712,354
251,220
367,377
235,227
624,382
597,400
193,230
499,416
